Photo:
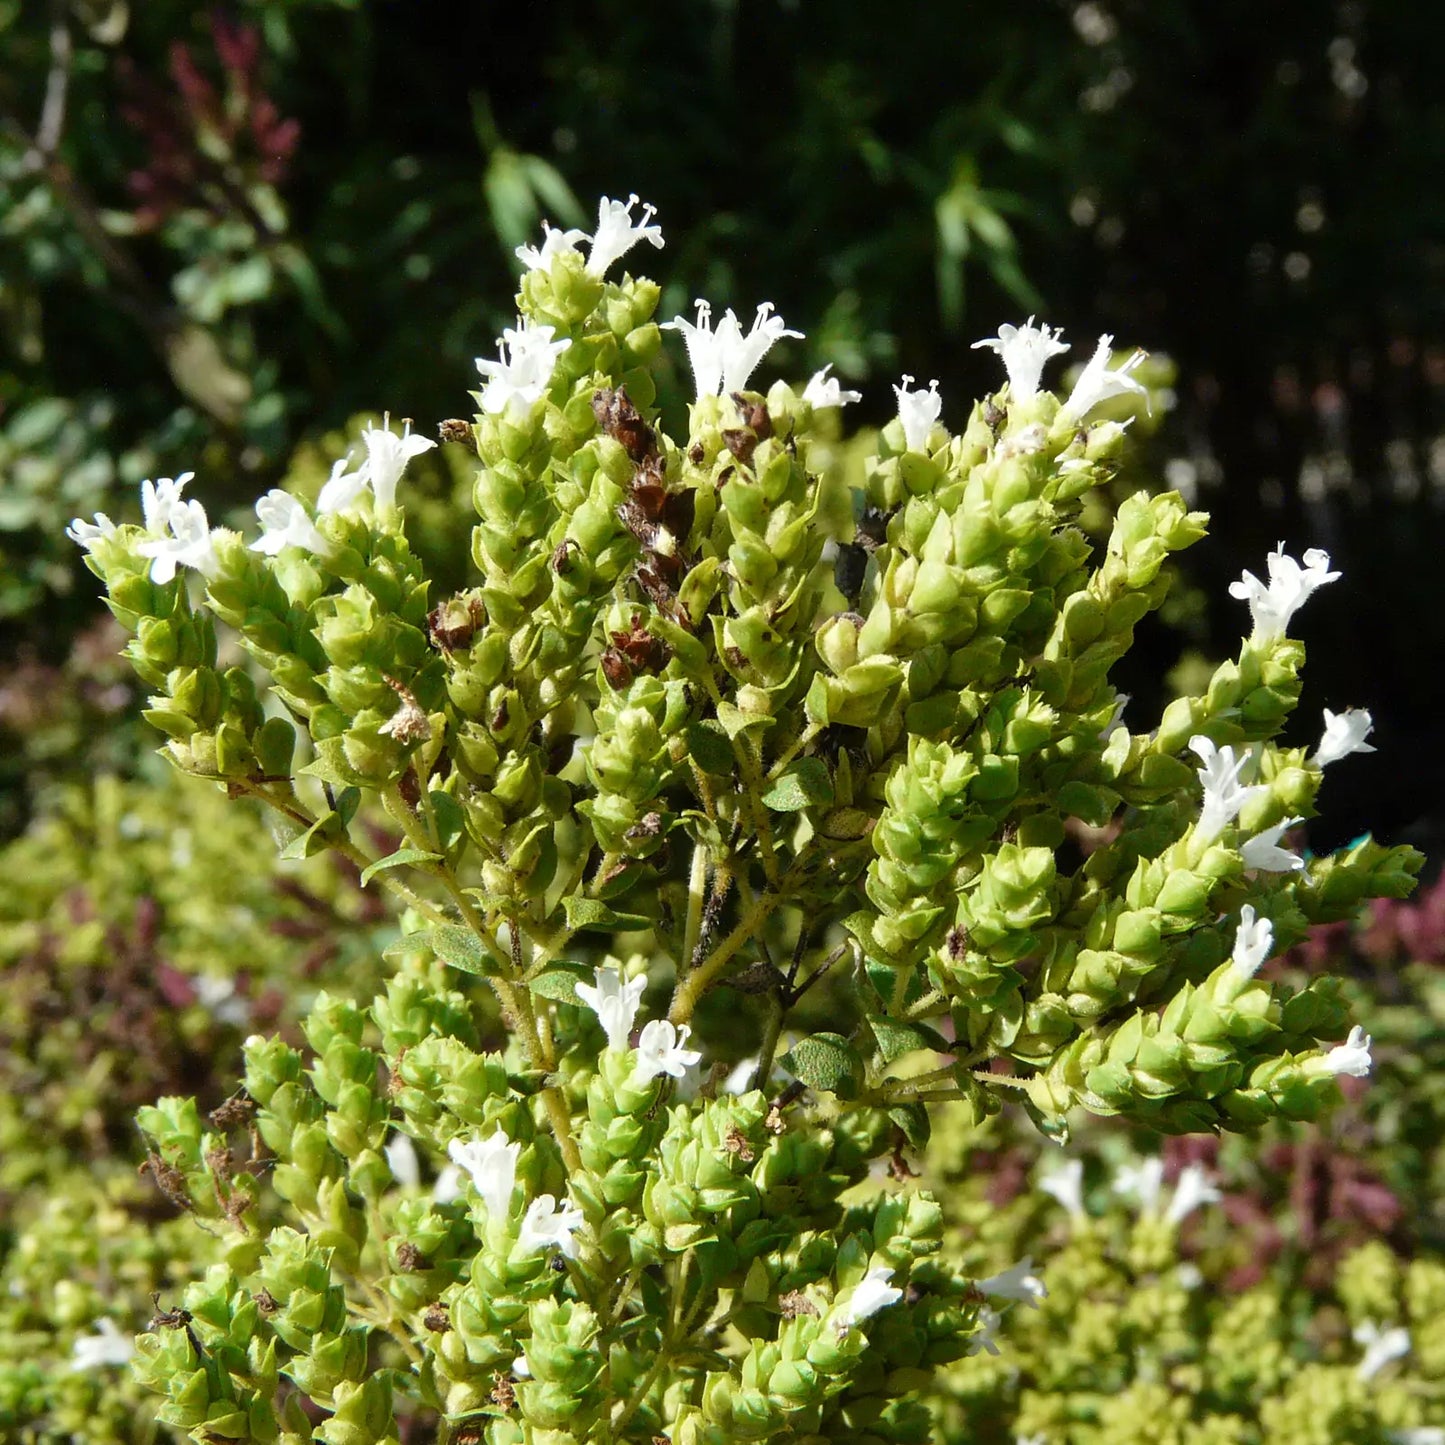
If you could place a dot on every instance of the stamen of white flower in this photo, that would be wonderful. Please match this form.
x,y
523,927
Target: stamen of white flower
x,y
617,234
723,359
1290,587
554,244
1025,349
1018,1282
919,412
90,534
1192,1191
386,457
106,1347
189,545
1381,1347
1066,1184
1345,733
545,1226
1253,939
1097,383
1143,1181
614,1002
401,1158
1264,853
492,1164
871,1294
1351,1057
342,488
823,391
1224,794
286,524
660,1051
520,378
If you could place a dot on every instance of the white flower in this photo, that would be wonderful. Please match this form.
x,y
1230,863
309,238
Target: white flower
x,y
1066,1184
1290,586
286,524
401,1157
1351,1057
1143,1181
218,997
160,499
1224,794
1418,1435
1381,1346
520,1368
520,378
1192,1191
492,1164
823,390
614,1002
616,234
1025,349
106,1347
88,534
660,1051
987,1336
1017,1282
1253,939
554,244
1263,851
1097,383
741,1077
342,488
189,545
544,1226
919,412
722,360
386,457
871,1294
1345,733
448,1185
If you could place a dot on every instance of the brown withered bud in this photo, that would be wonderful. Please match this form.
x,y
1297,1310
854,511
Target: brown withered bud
x,y
632,516
736,1142
504,1394
754,414
164,1319
472,1433
796,1303
409,723
265,1301
678,512
616,669
409,1258
656,578
993,416
647,826
756,978
436,1318
169,1180
742,443
562,557
454,429
617,416
849,567
220,1163
872,529
957,943
452,624
696,454
645,652
239,1109
500,717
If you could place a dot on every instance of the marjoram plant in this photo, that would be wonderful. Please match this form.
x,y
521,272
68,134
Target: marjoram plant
x,y
799,770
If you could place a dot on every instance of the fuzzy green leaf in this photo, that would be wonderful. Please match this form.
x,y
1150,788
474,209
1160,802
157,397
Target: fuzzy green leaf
x,y
805,784
399,859
828,1063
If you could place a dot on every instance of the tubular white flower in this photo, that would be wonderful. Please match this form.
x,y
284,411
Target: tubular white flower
x,y
1290,587
1017,1282
520,378
919,412
823,391
660,1051
871,1294
1192,1191
401,1158
189,545
723,359
1025,350
386,457
1351,1057
1264,853
160,500
1345,733
1381,1347
614,1002
1066,1184
1142,1181
106,1347
1097,383
285,523
616,233
554,244
1253,940
90,534
492,1164
544,1226
448,1184
986,1337
341,488
1224,794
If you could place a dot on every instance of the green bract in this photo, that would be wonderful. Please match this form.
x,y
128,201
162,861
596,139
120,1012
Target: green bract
x,y
802,760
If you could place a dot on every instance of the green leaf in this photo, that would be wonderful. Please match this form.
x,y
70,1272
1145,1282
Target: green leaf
x,y
708,746
398,859
589,913
912,1119
315,838
450,820
805,784
735,721
896,1039
559,980
845,825
460,948
828,1063
330,764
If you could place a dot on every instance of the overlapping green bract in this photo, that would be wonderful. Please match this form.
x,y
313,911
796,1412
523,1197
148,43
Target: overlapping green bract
x,y
665,712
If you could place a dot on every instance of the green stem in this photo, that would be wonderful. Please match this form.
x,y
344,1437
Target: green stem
x,y
696,899
772,1029
692,987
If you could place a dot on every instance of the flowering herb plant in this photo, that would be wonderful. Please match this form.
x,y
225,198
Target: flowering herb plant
x,y
795,771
